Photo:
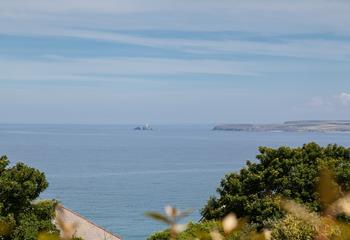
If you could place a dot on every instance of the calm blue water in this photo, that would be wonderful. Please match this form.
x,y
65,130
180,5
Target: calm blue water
x,y
112,174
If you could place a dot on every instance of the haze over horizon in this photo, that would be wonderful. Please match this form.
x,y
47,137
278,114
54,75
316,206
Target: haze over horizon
x,y
165,61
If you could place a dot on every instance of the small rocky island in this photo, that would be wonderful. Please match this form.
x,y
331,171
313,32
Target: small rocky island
x,y
145,127
291,126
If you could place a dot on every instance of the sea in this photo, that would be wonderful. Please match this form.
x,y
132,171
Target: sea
x,y
113,174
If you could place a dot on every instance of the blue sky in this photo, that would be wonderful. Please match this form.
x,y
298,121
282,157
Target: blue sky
x,y
166,61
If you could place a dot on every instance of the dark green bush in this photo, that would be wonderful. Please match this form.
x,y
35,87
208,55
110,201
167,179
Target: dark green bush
x,y
291,173
21,218
198,230
161,235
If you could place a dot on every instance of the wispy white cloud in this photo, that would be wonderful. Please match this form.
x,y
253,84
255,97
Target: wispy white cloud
x,y
343,98
66,18
268,16
340,100
319,49
313,29
302,48
56,67
120,69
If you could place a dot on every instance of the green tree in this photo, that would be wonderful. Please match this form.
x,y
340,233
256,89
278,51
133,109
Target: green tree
x,y
21,218
291,173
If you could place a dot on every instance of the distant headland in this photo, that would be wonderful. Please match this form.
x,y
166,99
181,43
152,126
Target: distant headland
x,y
290,126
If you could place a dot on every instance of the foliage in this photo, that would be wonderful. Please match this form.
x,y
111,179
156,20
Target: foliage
x,y
292,227
171,217
161,235
230,228
21,217
290,173
301,193
193,231
205,230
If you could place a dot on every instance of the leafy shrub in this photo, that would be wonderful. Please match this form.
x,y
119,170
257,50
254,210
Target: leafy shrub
x,y
196,230
202,230
290,173
21,218
161,235
291,193
193,231
293,228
